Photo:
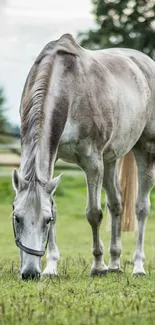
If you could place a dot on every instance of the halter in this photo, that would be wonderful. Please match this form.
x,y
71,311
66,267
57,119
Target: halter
x,y
27,249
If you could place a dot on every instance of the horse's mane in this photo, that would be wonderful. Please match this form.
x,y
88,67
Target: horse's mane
x,y
33,97
32,112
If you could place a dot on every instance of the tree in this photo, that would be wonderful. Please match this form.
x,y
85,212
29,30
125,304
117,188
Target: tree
x,y
8,132
3,120
123,23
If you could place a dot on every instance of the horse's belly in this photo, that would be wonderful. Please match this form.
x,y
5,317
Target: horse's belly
x,y
67,152
147,139
125,136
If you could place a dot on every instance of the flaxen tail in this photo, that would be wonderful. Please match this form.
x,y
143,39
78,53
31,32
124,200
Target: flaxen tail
x,y
129,188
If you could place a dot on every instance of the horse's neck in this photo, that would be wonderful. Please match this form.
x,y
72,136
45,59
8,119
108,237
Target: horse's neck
x,y
44,122
37,159
45,158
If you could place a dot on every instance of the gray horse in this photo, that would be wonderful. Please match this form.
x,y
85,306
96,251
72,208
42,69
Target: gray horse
x,y
90,108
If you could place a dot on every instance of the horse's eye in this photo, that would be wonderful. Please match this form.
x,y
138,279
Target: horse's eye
x,y
16,219
49,220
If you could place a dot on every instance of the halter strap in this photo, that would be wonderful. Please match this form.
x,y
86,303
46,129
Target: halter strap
x,y
27,249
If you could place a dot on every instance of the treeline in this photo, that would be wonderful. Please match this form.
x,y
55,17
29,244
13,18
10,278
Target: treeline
x,y
7,129
123,23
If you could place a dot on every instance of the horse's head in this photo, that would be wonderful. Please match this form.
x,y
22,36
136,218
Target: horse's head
x,y
33,212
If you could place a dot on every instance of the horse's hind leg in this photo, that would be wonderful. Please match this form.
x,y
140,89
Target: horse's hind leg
x,y
94,174
145,162
112,188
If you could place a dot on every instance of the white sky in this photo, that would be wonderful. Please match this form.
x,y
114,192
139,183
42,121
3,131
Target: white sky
x,y
25,27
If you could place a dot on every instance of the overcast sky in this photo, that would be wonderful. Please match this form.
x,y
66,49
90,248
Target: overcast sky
x,y
25,27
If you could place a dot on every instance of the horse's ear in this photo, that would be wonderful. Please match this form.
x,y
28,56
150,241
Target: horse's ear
x,y
52,185
15,180
18,182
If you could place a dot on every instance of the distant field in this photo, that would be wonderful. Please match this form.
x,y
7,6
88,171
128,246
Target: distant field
x,y
74,298
8,160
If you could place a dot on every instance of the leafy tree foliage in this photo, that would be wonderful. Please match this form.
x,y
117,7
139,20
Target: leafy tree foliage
x,y
3,120
8,132
123,23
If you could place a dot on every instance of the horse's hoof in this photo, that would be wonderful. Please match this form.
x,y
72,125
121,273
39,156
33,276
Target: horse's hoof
x,y
118,271
52,274
142,273
95,272
138,271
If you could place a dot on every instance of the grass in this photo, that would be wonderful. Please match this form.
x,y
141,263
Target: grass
x,y
74,298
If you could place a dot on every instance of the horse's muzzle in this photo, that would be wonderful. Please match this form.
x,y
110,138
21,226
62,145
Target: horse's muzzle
x,y
31,275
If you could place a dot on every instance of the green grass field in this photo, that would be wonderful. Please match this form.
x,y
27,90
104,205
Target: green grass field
x,y
74,298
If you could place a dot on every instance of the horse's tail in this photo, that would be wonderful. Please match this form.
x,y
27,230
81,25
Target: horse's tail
x,y
129,187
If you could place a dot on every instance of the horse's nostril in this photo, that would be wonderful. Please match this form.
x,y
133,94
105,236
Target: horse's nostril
x,y
30,276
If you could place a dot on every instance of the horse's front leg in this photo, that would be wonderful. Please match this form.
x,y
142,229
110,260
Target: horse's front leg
x,y
52,253
94,175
